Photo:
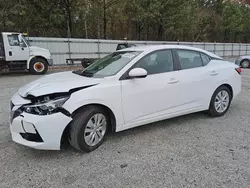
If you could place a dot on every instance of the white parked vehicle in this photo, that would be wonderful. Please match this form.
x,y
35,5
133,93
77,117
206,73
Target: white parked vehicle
x,y
17,54
125,89
243,61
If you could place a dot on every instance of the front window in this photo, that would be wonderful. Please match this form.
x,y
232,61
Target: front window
x,y
13,40
17,39
109,65
157,62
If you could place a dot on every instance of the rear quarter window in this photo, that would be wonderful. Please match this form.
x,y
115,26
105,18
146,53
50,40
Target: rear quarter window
x,y
205,59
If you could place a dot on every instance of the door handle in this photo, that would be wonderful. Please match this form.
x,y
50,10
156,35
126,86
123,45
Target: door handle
x,y
173,81
214,73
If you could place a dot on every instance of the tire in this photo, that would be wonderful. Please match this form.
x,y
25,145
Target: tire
x,y
245,63
38,66
214,109
79,128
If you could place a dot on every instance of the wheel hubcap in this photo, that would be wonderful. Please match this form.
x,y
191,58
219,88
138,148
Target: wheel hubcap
x,y
245,64
39,67
95,129
221,101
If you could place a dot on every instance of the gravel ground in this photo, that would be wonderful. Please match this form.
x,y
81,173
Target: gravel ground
x,y
188,151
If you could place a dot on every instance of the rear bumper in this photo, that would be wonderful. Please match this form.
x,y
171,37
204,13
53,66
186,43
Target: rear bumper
x,y
236,83
39,132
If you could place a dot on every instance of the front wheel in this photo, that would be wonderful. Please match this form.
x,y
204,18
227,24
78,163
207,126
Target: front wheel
x,y
88,128
220,101
38,66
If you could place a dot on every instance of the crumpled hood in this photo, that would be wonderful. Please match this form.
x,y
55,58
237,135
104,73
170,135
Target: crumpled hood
x,y
56,83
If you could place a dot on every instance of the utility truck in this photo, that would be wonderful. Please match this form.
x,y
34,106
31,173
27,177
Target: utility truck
x,y
17,54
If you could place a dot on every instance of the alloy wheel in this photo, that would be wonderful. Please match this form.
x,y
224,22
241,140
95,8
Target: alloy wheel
x,y
245,64
95,129
221,102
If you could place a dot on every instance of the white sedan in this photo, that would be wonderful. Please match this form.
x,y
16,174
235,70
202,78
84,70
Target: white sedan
x,y
125,89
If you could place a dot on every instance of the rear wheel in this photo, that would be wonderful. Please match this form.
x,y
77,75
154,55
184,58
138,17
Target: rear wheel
x,y
220,101
88,128
38,66
245,63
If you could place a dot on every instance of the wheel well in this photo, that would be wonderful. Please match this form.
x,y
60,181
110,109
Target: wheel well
x,y
230,88
244,60
36,57
40,57
106,109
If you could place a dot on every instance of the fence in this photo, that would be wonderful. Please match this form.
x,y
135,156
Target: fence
x,y
63,48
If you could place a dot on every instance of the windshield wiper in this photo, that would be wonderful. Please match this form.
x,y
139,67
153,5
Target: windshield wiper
x,y
87,74
83,73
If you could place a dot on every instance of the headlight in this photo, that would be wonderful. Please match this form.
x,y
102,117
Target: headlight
x,y
46,106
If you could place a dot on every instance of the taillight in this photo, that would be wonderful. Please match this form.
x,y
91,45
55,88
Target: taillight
x,y
238,70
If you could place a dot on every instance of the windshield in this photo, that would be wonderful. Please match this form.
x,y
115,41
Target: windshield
x,y
109,65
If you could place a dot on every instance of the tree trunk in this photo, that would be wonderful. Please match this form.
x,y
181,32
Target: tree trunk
x,y
86,28
139,31
159,33
67,5
147,31
225,36
112,25
70,21
127,30
104,20
235,36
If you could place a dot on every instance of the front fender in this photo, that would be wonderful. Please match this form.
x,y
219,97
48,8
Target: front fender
x,y
28,61
71,107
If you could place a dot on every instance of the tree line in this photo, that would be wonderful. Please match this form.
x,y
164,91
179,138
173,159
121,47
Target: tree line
x,y
171,20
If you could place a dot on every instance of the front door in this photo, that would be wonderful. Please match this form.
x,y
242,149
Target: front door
x,y
16,49
155,95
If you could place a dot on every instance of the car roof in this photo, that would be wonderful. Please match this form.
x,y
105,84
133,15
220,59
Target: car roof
x,y
10,33
149,48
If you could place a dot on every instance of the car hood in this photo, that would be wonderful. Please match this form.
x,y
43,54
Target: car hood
x,y
34,49
56,83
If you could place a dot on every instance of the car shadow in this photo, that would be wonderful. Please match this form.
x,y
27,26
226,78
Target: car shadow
x,y
117,137
164,124
114,137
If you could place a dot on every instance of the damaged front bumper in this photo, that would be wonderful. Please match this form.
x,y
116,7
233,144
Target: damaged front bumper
x,y
37,131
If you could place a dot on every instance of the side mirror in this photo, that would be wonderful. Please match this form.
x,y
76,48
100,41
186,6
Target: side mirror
x,y
137,73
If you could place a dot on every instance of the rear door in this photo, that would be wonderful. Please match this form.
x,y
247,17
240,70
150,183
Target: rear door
x,y
196,78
